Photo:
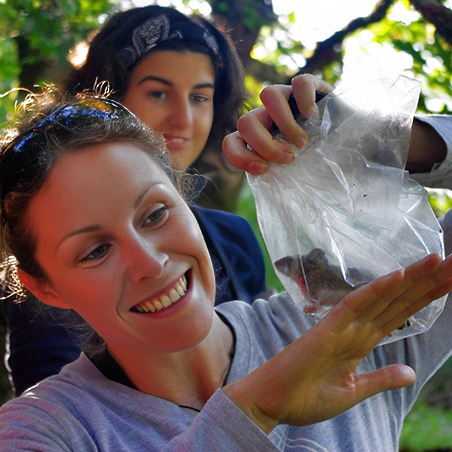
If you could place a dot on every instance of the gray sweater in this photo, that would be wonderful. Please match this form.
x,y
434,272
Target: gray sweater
x,y
81,410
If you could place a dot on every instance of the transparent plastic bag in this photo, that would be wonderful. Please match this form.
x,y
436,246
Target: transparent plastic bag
x,y
345,211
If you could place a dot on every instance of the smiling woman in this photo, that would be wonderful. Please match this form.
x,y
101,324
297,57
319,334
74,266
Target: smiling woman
x,y
93,219
181,77
179,104
116,243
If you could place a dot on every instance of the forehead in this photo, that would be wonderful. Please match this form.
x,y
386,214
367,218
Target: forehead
x,y
96,164
90,179
186,65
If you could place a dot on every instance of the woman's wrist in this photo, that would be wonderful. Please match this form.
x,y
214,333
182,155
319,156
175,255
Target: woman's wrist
x,y
427,148
242,396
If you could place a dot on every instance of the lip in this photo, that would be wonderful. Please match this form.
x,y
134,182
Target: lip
x,y
146,306
175,142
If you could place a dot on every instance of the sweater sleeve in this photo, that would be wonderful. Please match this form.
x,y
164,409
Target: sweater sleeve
x,y
42,425
441,175
222,425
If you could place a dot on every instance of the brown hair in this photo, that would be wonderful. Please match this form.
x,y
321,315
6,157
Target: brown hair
x,y
51,126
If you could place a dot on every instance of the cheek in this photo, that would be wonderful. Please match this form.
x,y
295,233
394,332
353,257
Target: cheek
x,y
204,123
209,122
153,121
198,248
85,291
90,291
139,104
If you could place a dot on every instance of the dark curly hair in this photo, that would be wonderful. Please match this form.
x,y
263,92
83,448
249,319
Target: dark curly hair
x,y
130,35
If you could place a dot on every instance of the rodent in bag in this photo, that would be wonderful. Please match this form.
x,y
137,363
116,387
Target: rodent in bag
x,y
345,211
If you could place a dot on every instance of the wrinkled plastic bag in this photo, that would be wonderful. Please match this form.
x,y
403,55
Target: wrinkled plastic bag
x,y
345,211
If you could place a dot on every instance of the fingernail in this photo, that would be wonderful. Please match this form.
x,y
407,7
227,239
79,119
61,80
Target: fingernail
x,y
300,141
285,152
257,168
301,138
287,157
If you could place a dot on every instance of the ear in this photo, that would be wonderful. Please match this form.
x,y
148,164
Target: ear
x,y
41,290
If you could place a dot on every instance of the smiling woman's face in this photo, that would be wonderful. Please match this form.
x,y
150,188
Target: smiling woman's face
x,y
172,93
120,246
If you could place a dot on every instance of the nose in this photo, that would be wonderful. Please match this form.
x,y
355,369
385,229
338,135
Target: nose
x,y
181,115
144,259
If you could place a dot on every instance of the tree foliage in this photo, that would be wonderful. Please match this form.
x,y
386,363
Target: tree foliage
x,y
36,36
428,40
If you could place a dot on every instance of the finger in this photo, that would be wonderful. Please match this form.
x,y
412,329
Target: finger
x,y
241,156
389,289
424,282
416,281
442,278
253,128
417,299
441,288
275,100
367,302
390,377
304,89
374,310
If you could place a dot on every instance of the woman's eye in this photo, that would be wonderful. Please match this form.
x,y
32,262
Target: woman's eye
x,y
96,254
156,216
157,94
200,98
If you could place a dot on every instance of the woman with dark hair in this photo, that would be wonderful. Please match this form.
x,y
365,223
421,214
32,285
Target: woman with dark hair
x,y
93,219
129,39
181,77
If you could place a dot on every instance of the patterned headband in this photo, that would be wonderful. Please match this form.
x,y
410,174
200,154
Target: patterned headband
x,y
158,29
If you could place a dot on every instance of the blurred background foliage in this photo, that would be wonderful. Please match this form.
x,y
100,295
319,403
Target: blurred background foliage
x,y
40,39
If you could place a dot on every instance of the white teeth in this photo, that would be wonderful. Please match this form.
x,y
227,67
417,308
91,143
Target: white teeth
x,y
150,307
166,300
180,290
174,295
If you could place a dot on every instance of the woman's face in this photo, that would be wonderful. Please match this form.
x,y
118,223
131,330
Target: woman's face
x,y
172,93
117,243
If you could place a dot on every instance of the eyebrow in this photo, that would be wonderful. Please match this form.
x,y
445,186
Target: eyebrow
x,y
143,192
169,83
84,230
98,227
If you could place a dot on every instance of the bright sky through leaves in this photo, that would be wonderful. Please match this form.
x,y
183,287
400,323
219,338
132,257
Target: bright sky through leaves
x,y
316,21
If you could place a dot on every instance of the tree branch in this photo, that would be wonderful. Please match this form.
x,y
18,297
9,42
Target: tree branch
x,y
243,19
330,50
437,14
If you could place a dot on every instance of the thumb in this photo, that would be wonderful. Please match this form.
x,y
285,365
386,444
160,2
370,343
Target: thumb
x,y
390,377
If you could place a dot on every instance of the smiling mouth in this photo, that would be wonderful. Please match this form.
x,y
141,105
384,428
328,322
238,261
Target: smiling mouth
x,y
164,300
173,141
